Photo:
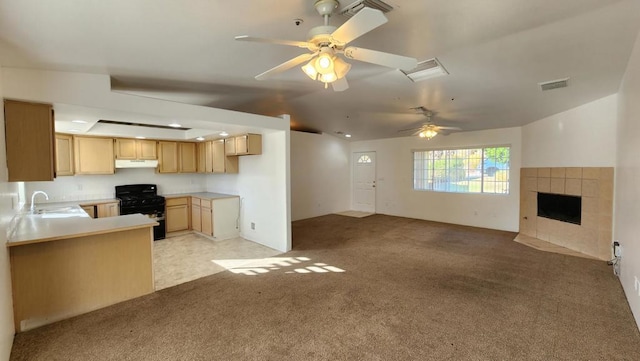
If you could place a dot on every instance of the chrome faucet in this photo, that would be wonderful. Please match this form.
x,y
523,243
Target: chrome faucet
x,y
32,210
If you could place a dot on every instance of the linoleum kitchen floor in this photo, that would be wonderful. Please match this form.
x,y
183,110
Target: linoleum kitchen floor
x,y
186,257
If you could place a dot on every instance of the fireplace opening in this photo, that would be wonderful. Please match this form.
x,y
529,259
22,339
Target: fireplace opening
x,y
560,207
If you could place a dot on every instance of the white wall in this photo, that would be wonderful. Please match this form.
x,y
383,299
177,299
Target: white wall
x,y
262,185
580,137
626,227
320,180
8,196
87,187
394,175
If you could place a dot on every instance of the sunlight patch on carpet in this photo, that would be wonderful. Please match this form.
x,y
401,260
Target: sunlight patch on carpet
x,y
254,267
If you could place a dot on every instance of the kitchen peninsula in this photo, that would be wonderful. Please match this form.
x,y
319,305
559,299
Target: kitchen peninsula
x,y
65,263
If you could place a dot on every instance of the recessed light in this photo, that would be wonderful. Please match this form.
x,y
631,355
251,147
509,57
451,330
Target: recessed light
x,y
74,130
79,121
200,138
347,135
140,137
223,134
175,125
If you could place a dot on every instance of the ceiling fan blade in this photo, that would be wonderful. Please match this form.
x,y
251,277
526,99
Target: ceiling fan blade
x,y
409,129
361,23
340,84
381,58
448,128
300,44
285,66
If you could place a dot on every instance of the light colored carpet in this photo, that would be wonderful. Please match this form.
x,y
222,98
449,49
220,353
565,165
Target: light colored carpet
x,y
374,288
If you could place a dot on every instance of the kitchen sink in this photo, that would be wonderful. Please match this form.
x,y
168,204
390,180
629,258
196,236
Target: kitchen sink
x,y
56,210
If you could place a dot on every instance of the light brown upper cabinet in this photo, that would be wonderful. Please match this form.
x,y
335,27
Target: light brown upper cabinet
x,y
93,155
135,149
220,162
248,144
168,157
64,154
188,158
177,157
202,157
30,142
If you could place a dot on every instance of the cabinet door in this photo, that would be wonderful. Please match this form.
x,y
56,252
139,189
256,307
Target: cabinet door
x,y
147,149
207,221
202,157
177,218
187,163
208,158
221,162
196,222
64,154
168,154
30,143
249,144
218,156
108,210
125,148
230,146
93,155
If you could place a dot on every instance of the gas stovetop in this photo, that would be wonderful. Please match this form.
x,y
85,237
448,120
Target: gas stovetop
x,y
139,195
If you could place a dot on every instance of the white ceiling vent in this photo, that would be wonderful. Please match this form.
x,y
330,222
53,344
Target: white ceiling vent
x,y
554,84
353,7
426,69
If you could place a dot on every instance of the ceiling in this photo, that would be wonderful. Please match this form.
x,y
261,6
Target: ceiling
x,y
496,53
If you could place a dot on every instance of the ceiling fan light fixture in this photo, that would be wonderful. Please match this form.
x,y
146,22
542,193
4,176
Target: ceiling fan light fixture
x,y
310,70
341,67
428,133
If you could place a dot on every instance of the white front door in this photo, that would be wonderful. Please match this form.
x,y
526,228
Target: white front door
x,y
364,181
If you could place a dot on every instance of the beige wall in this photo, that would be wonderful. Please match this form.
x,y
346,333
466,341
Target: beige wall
x,y
627,206
8,195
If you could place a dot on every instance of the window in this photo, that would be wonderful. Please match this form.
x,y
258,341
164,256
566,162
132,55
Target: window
x,y
364,159
470,170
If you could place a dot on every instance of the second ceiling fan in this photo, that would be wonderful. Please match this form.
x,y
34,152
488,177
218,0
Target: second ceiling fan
x,y
326,42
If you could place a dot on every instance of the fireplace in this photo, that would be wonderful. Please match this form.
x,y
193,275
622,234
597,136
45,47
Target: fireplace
x,y
571,207
560,207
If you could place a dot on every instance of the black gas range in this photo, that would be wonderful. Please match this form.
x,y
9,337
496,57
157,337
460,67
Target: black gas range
x,y
144,199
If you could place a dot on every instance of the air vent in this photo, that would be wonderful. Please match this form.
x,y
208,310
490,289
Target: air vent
x,y
117,122
554,84
426,69
353,7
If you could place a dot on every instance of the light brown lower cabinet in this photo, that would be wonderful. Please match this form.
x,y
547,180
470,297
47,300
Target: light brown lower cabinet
x,y
219,217
196,220
177,214
102,210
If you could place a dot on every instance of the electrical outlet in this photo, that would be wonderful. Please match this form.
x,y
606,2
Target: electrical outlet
x,y
253,226
617,250
636,284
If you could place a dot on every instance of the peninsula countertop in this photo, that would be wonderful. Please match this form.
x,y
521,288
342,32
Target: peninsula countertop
x,y
36,228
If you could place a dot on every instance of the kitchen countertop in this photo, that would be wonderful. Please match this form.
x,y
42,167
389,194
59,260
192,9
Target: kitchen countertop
x,y
67,222
203,195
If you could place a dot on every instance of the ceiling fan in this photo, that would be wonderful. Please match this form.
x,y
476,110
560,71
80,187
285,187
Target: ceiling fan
x,y
326,42
429,130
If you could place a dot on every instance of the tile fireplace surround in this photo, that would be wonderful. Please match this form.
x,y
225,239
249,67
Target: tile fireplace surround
x,y
593,184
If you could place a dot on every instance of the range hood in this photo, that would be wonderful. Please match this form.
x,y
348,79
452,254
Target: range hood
x,y
135,163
